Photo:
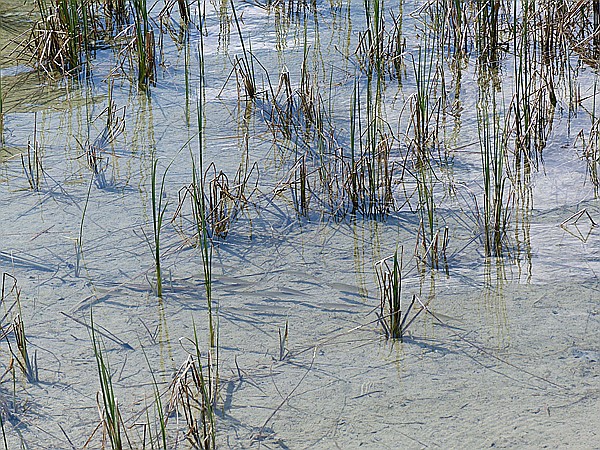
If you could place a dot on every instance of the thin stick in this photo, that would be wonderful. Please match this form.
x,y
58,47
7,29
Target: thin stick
x,y
107,334
487,353
287,397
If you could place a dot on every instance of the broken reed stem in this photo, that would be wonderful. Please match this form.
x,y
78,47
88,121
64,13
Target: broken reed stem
x,y
32,165
575,218
246,65
283,340
429,251
27,364
208,387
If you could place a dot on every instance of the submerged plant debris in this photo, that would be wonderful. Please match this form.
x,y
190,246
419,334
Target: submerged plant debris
x,y
299,224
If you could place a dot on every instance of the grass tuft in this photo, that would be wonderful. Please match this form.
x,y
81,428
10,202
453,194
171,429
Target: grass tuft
x,y
194,392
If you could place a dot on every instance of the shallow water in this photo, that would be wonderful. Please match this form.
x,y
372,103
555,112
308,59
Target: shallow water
x,y
507,355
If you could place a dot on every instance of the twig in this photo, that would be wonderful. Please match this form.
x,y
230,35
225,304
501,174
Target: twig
x,y
107,334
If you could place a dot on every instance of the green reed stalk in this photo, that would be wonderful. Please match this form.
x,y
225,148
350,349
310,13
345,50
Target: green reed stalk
x,y
487,31
395,298
159,408
186,71
424,137
199,202
112,415
353,163
158,212
69,18
596,22
371,146
79,242
593,146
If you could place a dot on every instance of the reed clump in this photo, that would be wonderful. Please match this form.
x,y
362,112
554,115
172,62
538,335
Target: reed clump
x,y
243,66
226,202
426,152
590,150
67,35
340,175
340,178
12,331
381,49
216,203
581,26
144,43
194,393
494,217
389,276
393,320
61,39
